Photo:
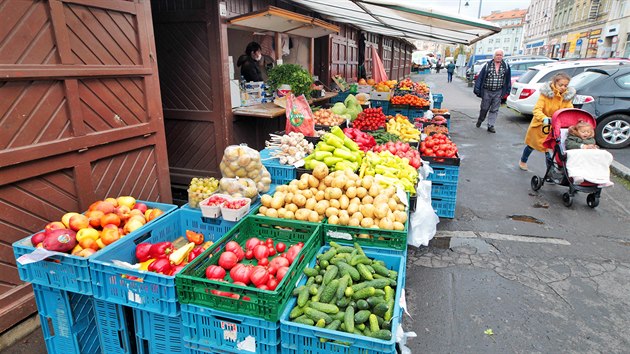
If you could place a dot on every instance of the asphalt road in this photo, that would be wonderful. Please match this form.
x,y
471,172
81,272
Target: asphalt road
x,y
543,277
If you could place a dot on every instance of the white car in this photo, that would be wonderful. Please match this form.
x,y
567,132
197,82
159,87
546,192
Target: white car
x,y
526,90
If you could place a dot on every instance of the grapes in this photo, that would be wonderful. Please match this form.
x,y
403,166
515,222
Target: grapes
x,y
200,189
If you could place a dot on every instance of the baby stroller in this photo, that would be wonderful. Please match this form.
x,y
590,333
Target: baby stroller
x,y
556,171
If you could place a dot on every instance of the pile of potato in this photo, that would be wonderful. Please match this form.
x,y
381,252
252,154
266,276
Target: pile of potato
x,y
341,196
244,162
327,117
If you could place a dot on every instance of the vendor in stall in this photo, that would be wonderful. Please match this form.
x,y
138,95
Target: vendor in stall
x,y
254,64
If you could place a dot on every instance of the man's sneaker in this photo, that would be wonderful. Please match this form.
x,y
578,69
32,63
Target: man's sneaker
x,y
522,165
491,129
479,121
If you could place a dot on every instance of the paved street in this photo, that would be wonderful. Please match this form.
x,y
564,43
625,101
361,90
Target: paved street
x,y
544,278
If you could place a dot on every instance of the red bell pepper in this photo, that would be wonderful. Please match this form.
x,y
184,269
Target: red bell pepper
x,y
162,266
195,252
161,249
143,251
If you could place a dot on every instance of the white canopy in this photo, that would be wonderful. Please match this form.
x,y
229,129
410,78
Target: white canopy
x,y
402,20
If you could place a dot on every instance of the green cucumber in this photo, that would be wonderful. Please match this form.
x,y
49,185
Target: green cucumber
x,y
327,255
364,272
310,272
316,315
383,334
296,312
364,293
304,320
380,269
330,291
363,305
360,259
343,284
373,321
349,319
303,297
331,273
361,316
350,270
324,307
380,309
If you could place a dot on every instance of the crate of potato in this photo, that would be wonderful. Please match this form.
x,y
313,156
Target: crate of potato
x,y
326,118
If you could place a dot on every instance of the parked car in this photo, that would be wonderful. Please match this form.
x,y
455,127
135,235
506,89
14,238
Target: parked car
x,y
526,90
518,58
604,92
520,67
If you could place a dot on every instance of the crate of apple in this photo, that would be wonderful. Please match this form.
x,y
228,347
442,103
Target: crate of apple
x,y
235,209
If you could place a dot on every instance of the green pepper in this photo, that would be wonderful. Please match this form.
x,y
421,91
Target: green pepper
x,y
346,165
322,146
321,155
332,160
332,140
346,155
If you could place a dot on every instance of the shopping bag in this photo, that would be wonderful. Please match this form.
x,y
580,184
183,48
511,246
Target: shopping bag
x,y
299,116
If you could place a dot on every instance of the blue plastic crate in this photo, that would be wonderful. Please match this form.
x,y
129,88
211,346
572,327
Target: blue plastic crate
x,y
444,173
67,320
302,339
143,289
114,327
341,96
437,100
65,271
444,189
398,109
158,334
415,112
380,103
280,174
210,330
444,207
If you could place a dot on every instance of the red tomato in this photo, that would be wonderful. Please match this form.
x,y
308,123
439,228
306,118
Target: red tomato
x,y
280,247
259,276
251,243
228,260
272,251
269,241
263,262
249,254
261,251
281,272
241,273
215,272
272,284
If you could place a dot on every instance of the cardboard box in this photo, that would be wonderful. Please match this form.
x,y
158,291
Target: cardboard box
x,y
381,96
364,88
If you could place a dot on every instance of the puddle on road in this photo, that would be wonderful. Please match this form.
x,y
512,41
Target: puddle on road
x,y
526,218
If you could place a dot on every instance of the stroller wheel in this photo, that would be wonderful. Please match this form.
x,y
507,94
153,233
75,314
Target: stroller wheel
x,y
536,183
592,200
567,199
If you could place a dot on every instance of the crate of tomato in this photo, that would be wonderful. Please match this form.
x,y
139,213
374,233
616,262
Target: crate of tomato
x,y
370,119
253,269
438,148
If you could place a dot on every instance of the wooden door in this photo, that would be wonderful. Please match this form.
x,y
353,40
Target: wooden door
x,y
80,119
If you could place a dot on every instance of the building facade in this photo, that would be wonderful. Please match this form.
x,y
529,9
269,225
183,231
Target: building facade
x,y
510,39
616,32
538,22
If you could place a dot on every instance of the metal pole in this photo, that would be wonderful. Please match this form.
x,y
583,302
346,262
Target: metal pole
x,y
459,9
479,12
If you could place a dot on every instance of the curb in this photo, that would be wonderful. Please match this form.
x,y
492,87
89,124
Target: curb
x,y
620,170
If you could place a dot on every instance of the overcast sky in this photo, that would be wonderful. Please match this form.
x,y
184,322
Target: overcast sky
x,y
452,6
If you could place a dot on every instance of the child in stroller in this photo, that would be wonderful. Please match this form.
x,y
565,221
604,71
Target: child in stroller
x,y
582,170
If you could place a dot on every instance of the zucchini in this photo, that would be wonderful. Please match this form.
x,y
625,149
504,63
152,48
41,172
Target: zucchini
x,y
363,305
349,319
350,270
364,272
361,316
331,273
304,320
373,323
323,307
330,291
296,312
303,297
383,334
364,293
316,315
310,272
343,284
327,255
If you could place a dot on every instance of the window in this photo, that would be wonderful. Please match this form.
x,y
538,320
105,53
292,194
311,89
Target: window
x,y
623,82
505,40
527,77
490,40
568,71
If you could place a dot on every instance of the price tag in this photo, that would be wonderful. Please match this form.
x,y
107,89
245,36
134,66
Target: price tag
x,y
230,331
340,235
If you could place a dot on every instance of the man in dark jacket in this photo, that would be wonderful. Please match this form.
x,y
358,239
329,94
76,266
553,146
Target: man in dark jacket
x,y
494,81
249,63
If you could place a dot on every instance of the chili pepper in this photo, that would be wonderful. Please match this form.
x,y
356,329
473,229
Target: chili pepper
x,y
194,237
331,161
143,251
195,252
162,266
161,249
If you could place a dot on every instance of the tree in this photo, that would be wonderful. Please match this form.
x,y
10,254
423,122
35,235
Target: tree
x,y
447,52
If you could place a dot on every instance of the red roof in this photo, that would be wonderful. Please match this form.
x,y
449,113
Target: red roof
x,y
506,15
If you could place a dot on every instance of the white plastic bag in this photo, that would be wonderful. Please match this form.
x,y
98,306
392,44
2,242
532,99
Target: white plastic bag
x,y
423,222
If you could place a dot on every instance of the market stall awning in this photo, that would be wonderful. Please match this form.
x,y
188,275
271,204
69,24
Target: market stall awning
x,y
284,21
403,20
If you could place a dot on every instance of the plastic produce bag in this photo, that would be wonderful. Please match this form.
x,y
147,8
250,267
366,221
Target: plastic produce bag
x,y
423,222
299,116
244,162
239,187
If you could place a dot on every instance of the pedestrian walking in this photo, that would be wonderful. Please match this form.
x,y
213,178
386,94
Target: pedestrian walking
x,y
493,82
450,69
554,95
438,66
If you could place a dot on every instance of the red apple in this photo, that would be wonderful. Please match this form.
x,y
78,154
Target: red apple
x,y
141,206
55,225
126,201
78,222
